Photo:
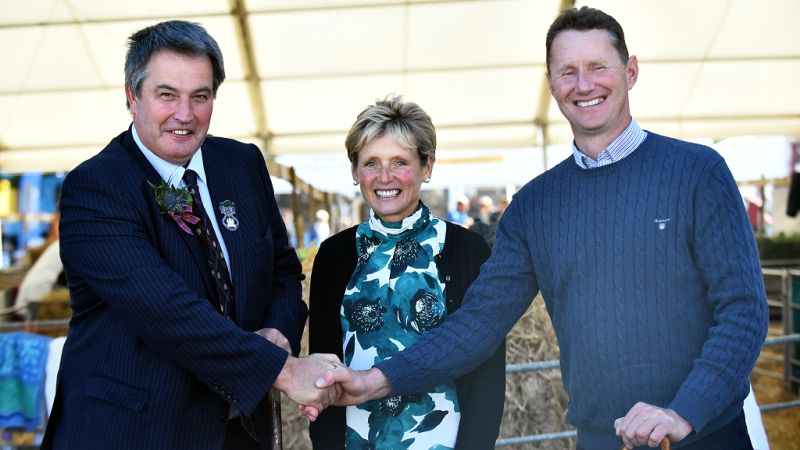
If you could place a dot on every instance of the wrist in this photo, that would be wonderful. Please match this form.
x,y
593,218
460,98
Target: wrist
x,y
683,427
377,385
286,375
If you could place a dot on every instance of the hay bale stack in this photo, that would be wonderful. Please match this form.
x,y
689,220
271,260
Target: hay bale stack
x,y
295,425
535,401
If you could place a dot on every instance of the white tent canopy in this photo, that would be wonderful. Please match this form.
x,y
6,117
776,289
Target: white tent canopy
x,y
300,70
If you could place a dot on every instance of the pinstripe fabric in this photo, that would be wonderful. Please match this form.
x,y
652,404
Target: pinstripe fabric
x,y
650,273
225,298
148,362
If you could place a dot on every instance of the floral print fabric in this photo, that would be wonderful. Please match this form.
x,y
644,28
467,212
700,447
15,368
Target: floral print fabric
x,y
393,297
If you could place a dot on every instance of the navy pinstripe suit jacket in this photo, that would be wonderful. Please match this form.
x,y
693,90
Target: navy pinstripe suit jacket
x,y
148,362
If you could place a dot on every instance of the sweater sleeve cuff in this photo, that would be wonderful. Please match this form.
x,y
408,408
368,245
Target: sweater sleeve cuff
x,y
398,374
694,407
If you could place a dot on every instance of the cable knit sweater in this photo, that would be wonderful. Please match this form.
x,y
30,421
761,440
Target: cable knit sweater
x,y
651,276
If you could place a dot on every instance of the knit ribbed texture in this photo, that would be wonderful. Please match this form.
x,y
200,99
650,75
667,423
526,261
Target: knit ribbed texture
x,y
651,276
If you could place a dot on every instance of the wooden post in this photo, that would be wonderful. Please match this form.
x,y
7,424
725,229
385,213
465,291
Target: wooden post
x,y
298,218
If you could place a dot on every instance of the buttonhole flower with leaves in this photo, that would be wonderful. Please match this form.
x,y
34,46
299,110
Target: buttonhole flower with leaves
x,y
175,202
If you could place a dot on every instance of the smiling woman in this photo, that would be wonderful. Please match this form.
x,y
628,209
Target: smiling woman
x,y
390,177
378,287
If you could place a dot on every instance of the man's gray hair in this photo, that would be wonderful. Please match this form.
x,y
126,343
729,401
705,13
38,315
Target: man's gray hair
x,y
186,38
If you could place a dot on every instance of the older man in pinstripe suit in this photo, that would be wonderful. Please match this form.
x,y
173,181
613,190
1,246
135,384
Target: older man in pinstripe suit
x,y
162,352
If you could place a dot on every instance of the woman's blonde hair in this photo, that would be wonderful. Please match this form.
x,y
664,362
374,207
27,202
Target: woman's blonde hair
x,y
405,122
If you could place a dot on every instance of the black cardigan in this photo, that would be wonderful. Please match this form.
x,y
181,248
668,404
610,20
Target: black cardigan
x,y
481,393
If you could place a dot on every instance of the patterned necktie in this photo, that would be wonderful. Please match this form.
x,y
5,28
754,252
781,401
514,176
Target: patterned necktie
x,y
216,259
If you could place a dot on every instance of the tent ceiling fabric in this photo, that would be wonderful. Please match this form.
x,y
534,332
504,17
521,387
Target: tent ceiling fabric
x,y
714,68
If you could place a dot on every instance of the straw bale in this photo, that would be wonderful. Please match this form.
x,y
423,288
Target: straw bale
x,y
535,401
295,425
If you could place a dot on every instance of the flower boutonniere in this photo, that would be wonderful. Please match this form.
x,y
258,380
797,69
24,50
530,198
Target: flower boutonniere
x,y
175,202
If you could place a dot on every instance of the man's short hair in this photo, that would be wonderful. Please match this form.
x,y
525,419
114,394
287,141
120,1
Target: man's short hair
x,y
585,19
186,38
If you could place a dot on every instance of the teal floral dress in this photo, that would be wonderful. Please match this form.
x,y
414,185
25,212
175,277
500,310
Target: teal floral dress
x,y
393,297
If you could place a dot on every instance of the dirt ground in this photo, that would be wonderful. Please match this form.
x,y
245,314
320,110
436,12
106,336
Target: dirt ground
x,y
782,427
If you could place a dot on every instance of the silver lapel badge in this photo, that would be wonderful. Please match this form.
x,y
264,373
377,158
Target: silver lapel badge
x,y
228,210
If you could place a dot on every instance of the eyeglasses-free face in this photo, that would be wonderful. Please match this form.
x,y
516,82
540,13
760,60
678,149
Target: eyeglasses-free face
x,y
390,178
590,84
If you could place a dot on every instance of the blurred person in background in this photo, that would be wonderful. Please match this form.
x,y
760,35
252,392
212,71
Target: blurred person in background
x,y
45,274
288,221
379,286
460,215
502,204
319,230
484,223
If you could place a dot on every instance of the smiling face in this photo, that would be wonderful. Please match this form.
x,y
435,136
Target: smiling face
x,y
590,83
390,178
173,112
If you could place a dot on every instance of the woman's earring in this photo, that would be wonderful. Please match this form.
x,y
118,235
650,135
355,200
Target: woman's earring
x,y
355,183
427,180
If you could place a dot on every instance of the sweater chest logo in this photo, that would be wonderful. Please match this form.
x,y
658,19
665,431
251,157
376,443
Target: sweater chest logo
x,y
661,223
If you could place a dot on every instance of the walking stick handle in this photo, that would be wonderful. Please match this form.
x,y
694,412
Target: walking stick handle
x,y
664,445
276,426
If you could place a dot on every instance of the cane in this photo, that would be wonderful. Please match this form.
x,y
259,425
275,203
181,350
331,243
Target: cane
x,y
664,445
275,424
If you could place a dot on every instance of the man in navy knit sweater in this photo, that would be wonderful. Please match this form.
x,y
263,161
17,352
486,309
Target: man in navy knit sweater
x,y
642,251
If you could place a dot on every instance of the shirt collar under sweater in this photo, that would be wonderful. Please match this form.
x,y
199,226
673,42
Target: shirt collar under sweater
x,y
622,146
